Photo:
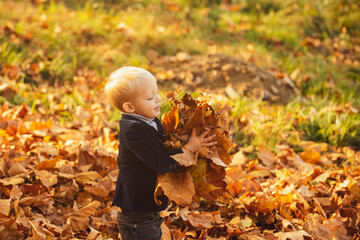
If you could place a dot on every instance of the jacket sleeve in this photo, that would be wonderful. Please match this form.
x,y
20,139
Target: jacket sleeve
x,y
149,149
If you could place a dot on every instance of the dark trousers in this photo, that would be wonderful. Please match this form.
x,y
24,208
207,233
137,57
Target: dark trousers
x,y
135,225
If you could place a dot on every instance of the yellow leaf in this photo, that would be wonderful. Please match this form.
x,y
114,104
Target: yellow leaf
x,y
285,199
3,133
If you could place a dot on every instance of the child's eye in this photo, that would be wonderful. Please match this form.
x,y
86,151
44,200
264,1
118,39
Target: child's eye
x,y
150,98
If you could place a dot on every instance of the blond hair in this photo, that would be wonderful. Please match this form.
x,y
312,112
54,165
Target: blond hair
x,y
123,85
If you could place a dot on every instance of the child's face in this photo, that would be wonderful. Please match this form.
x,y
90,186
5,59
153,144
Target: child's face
x,y
147,100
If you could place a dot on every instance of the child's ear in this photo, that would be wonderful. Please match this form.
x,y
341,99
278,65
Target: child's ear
x,y
128,107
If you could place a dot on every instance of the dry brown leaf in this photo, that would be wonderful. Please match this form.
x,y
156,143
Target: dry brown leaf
x,y
15,192
196,219
16,169
267,157
5,206
48,164
321,228
204,185
94,234
295,235
354,188
79,219
178,186
187,158
241,223
166,234
247,236
11,181
100,189
47,179
87,177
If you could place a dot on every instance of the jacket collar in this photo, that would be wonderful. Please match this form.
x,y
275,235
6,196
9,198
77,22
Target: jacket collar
x,y
159,132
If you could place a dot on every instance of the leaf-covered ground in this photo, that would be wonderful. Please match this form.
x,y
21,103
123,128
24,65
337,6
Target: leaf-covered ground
x,y
57,180
295,168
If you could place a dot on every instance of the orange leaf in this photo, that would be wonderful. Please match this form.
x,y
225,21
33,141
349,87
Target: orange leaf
x,y
173,7
266,205
47,164
285,199
13,72
310,156
170,120
36,125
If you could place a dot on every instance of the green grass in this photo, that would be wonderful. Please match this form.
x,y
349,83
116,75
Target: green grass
x,y
316,120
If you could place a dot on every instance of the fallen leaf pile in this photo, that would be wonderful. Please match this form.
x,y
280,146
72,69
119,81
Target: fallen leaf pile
x,y
57,176
281,195
56,182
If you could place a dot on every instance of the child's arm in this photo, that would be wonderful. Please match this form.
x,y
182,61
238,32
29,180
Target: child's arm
x,y
195,143
150,150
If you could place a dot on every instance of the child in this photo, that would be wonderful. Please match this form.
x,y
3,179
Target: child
x,y
142,156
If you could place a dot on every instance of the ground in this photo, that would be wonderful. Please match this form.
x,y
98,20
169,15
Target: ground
x,y
222,74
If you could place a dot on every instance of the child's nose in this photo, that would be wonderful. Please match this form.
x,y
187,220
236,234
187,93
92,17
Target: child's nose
x,y
158,98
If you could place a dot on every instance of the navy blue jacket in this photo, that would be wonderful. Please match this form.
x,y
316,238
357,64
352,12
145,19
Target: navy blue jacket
x,y
141,157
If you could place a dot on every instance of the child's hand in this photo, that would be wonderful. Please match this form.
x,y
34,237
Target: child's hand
x,y
195,143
